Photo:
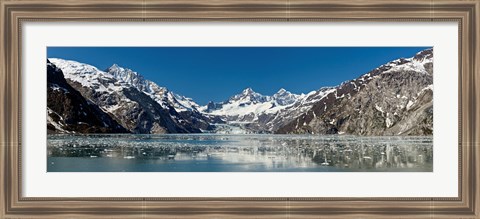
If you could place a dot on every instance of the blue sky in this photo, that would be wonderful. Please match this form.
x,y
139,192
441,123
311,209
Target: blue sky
x,y
217,73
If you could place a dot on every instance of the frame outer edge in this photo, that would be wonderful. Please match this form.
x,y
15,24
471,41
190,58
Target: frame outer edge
x,y
9,86
2,109
476,74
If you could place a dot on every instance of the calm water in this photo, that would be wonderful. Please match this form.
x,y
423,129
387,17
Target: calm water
x,y
238,153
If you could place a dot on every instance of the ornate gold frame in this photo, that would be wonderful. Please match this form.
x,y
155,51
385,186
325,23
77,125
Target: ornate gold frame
x,y
14,12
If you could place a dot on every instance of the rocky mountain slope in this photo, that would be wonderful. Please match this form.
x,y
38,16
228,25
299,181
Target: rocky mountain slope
x,y
183,109
393,99
138,105
68,111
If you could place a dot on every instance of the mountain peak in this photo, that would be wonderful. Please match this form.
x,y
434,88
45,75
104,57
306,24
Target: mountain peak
x,y
130,77
248,90
70,67
248,95
123,73
116,67
424,54
282,91
284,97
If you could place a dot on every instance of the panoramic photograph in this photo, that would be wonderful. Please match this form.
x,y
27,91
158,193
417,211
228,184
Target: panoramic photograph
x,y
239,109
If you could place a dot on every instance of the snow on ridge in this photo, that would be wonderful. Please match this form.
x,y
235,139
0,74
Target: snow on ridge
x,y
415,64
281,103
412,64
90,76
156,92
86,75
248,95
186,103
74,66
130,77
250,102
284,97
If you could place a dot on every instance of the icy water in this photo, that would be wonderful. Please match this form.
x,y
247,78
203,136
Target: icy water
x,y
238,153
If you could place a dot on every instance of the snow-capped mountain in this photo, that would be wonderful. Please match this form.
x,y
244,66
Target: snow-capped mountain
x,y
249,96
141,106
68,111
393,99
160,94
184,106
285,115
393,89
260,113
284,97
248,102
248,107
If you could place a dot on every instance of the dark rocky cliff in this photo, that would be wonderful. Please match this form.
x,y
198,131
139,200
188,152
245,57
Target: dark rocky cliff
x,y
69,111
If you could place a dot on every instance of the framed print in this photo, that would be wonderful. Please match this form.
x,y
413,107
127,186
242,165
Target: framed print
x,y
295,109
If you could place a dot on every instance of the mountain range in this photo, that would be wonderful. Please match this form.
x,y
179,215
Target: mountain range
x,y
394,99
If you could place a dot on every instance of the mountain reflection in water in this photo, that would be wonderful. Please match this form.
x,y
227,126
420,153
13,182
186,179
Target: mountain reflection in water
x,y
238,153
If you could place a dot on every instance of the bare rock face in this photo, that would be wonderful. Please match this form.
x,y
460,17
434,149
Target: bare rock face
x,y
394,99
69,112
